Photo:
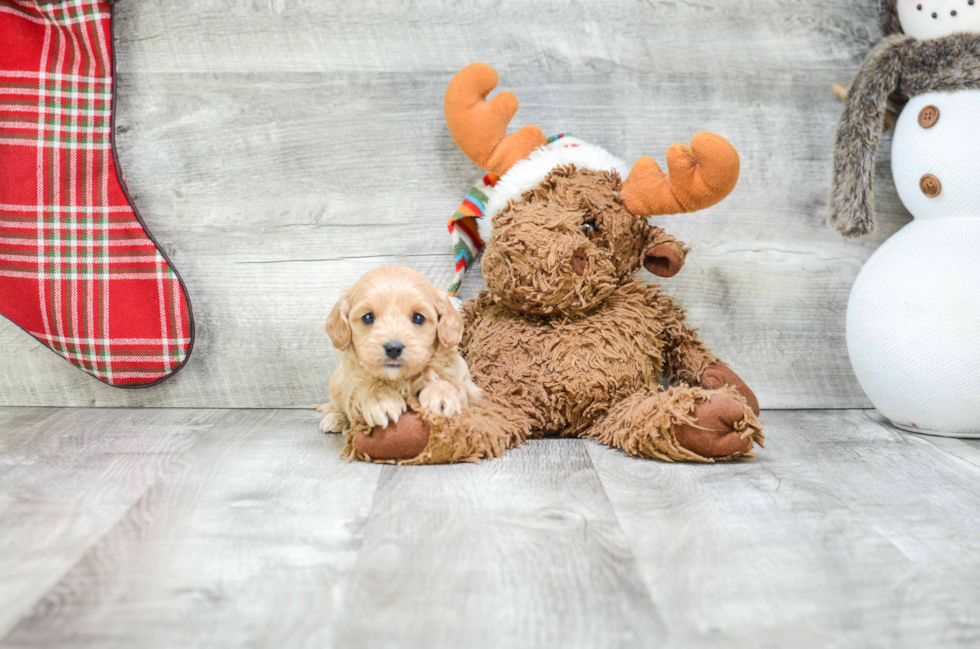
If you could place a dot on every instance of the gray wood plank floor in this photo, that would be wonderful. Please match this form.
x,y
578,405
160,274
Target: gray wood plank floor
x,y
188,528
280,148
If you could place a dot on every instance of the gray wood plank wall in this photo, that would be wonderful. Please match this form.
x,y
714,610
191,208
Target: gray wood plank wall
x,y
280,149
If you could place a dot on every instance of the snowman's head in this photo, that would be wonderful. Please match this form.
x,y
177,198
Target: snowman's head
x,y
927,19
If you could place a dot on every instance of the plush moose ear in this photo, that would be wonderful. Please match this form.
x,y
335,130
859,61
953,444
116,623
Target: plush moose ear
x,y
449,330
664,259
338,324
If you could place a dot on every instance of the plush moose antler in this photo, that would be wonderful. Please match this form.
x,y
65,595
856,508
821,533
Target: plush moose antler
x,y
699,176
479,127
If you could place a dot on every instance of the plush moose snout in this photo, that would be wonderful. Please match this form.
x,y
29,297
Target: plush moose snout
x,y
547,271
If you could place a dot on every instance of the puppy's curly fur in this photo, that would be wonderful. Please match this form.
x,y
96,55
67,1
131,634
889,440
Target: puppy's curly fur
x,y
396,336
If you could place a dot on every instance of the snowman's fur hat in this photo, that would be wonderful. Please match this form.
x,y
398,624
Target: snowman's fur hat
x,y
888,14
900,68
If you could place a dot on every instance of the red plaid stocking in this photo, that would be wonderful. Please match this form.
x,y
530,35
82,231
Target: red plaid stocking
x,y
78,269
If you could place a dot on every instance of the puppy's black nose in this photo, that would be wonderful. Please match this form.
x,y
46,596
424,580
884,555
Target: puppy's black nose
x,y
394,349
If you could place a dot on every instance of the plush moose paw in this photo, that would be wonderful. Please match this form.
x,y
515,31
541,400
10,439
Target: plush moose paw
x,y
441,398
400,440
719,430
719,375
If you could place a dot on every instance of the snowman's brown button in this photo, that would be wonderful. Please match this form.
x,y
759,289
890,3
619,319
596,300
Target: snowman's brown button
x,y
928,117
930,186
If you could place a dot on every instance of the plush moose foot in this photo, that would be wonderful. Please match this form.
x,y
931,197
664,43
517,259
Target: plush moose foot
x,y
682,424
483,430
401,440
719,375
715,432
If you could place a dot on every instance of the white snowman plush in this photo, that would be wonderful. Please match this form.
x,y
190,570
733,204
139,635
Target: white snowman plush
x,y
913,320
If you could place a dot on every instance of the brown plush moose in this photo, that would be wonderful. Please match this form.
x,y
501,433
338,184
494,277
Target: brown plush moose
x,y
567,342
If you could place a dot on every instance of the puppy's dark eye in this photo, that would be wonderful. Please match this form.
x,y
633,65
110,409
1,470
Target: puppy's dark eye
x,y
588,227
368,319
418,318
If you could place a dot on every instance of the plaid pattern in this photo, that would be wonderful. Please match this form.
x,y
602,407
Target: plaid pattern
x,y
78,271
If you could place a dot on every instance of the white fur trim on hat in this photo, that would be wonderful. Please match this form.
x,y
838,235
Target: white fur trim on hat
x,y
528,173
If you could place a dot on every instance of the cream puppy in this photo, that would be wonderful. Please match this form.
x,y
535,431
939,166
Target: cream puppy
x,y
396,336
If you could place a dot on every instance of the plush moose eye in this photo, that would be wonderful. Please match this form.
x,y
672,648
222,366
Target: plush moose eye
x,y
588,227
368,319
418,318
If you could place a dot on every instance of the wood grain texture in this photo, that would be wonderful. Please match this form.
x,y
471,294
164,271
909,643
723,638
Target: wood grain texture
x,y
522,551
249,543
279,149
122,528
67,477
844,532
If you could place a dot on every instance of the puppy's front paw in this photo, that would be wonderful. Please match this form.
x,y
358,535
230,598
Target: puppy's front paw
x,y
441,398
333,422
384,411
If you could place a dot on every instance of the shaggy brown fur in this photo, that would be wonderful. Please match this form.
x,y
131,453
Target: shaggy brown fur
x,y
567,342
900,67
526,262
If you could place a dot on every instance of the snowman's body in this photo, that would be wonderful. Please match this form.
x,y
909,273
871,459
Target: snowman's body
x,y
913,321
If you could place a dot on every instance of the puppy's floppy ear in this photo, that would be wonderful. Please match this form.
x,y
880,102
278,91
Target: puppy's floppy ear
x,y
449,330
338,324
